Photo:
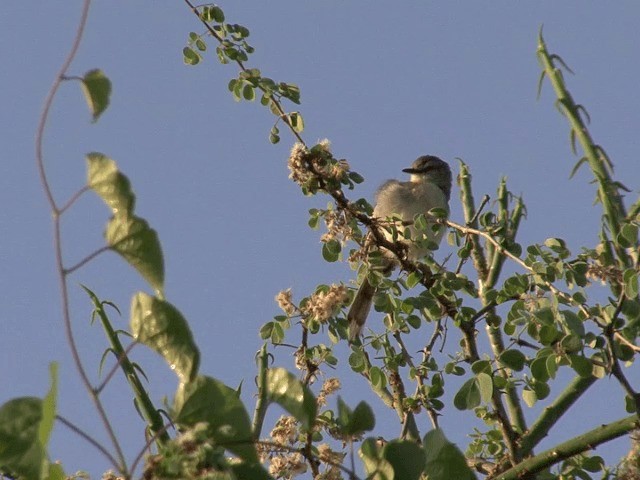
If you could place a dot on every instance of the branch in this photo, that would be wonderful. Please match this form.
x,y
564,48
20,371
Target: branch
x,y
87,437
608,191
568,449
554,412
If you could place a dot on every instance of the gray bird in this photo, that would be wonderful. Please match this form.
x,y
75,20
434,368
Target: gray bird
x,y
428,187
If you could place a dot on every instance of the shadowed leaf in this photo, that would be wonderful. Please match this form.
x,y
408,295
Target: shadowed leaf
x,y
209,400
444,460
21,453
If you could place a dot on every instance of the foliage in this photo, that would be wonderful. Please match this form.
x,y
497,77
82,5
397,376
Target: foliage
x,y
545,318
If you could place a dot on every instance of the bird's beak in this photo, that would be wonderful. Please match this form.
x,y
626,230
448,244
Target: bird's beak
x,y
411,170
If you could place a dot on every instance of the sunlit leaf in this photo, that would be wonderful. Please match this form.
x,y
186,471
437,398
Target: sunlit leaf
x,y
97,90
160,326
55,472
630,278
208,400
529,397
485,386
109,183
49,407
286,390
139,245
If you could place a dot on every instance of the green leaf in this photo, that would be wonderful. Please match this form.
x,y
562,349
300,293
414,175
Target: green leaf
x,y
444,460
254,471
581,365
630,277
109,183
413,279
273,138
21,453
49,407
407,459
362,419
377,377
248,93
201,45
539,369
161,327
217,14
190,56
357,361
55,472
513,359
266,329
355,422
375,466
97,90
485,386
291,394
356,177
209,400
480,366
138,244
628,236
331,250
296,122
468,397
529,397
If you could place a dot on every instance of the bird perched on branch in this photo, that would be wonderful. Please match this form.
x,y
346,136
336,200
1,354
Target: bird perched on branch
x,y
428,187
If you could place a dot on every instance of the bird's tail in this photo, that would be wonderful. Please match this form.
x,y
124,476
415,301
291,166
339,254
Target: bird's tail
x,y
360,307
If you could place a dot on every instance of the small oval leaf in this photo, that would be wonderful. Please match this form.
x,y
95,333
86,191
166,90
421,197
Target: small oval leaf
x,y
97,91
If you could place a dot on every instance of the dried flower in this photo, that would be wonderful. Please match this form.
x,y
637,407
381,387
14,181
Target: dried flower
x,y
285,302
288,466
330,385
323,304
285,431
315,168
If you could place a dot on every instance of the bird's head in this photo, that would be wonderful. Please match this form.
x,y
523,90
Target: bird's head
x,y
431,169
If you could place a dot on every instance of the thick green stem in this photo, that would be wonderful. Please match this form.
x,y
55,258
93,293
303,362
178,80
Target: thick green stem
x,y
608,190
151,415
553,412
261,403
568,449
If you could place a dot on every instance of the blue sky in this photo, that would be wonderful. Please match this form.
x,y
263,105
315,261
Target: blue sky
x,y
385,83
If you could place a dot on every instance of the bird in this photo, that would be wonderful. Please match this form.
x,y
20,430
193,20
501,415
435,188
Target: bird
x,y
429,187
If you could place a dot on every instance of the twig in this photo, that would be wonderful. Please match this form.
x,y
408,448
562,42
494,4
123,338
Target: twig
x,y
85,260
62,277
77,430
